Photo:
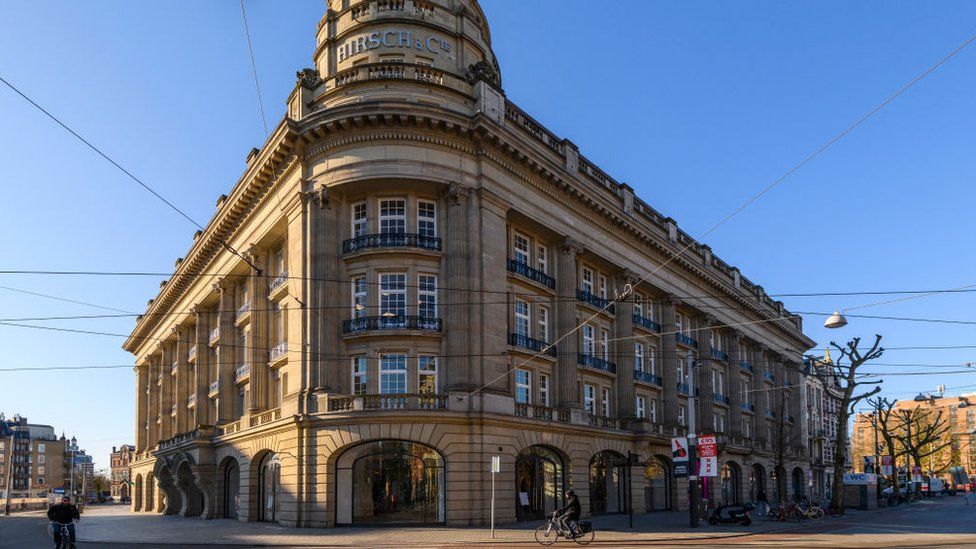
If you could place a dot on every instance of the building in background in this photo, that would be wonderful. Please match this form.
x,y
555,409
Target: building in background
x,y
119,475
824,397
390,274
32,457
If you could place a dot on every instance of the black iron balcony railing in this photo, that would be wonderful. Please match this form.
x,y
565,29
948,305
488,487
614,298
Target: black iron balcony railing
x,y
720,399
685,340
745,366
769,376
532,344
391,240
597,363
392,322
748,407
719,354
770,414
684,389
532,274
647,377
596,301
645,322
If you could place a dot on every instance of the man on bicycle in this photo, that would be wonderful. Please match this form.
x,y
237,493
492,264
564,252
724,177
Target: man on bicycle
x,y
63,513
567,517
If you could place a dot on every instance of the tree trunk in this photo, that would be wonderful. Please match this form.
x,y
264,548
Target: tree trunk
x,y
840,456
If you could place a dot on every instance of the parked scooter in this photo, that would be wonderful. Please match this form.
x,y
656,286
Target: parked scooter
x,y
731,514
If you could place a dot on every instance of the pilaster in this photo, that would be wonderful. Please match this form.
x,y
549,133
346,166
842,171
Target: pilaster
x,y
623,347
325,234
736,415
456,314
142,405
257,351
566,285
669,362
180,380
166,391
226,356
201,380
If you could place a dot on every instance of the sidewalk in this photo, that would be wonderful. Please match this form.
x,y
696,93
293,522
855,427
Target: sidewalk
x,y
118,525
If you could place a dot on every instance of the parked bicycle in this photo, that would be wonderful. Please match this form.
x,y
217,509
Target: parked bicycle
x,y
804,509
549,533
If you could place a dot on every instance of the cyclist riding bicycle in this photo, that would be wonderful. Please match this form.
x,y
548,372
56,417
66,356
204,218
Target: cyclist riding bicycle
x,y
568,516
63,513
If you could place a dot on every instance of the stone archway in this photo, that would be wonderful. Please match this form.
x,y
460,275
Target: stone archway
x,y
607,478
798,483
659,484
150,499
123,493
191,497
172,500
539,482
137,503
230,473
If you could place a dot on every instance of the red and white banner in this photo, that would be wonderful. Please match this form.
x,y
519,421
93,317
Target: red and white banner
x,y
707,456
886,467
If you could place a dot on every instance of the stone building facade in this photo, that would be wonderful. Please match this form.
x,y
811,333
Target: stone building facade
x,y
120,481
414,275
32,462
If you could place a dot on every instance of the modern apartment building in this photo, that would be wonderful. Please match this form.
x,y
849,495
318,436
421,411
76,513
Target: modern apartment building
x,y
119,471
31,462
412,276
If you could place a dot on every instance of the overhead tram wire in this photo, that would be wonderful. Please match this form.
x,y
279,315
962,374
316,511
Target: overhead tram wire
x,y
629,288
66,300
254,69
144,185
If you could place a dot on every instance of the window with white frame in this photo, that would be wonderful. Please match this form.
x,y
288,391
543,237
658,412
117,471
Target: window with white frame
x,y
544,323
718,422
523,386
359,297
426,218
40,469
746,429
638,357
603,286
522,317
605,399
641,408
520,249
653,411
544,389
393,294
588,342
40,458
638,303
744,387
427,296
718,382
605,344
587,280
41,448
682,415
393,216
40,480
393,374
651,365
679,323
542,258
589,399
427,374
359,375
358,219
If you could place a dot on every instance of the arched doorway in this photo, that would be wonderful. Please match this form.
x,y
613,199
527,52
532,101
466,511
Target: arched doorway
x,y
778,478
658,482
269,482
757,483
124,493
730,483
539,482
232,489
390,482
191,497
607,479
137,489
150,492
799,489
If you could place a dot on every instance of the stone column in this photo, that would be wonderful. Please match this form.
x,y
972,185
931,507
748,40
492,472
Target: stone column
x,y
258,346
623,348
456,315
180,385
566,285
759,365
669,363
201,381
226,357
142,406
802,410
153,402
166,391
703,375
325,233
733,385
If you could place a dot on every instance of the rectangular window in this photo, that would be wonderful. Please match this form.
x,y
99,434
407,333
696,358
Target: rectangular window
x,y
587,280
588,342
359,297
427,296
393,374
544,323
544,389
393,294
427,218
41,448
653,415
638,357
523,387
359,378
522,319
40,480
638,304
718,382
40,470
393,216
744,387
603,286
605,399
681,372
679,323
718,422
640,408
358,219
605,344
682,415
651,366
40,458
521,249
746,429
427,374
589,399
542,258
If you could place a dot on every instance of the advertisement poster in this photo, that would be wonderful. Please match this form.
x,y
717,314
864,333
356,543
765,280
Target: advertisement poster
x,y
707,456
679,454
886,468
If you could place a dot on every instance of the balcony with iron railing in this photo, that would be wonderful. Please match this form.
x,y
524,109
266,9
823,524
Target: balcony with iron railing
x,y
646,323
532,344
278,352
172,411
745,366
769,376
214,335
599,302
174,367
770,414
242,312
390,322
277,283
647,377
405,402
597,363
685,340
719,354
214,388
748,407
603,421
535,275
191,400
390,240
538,411
720,399
684,389
192,353
242,372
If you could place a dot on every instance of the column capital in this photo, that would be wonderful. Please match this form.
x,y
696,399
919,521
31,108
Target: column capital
x,y
671,300
628,277
569,246
316,194
456,193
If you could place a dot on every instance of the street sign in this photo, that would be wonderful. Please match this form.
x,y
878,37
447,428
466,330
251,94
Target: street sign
x,y
681,469
916,474
496,464
707,456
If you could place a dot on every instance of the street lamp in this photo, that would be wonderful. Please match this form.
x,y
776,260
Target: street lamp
x,y
835,321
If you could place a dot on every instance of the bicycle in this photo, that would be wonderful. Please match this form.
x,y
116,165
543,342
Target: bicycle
x,y
549,533
65,535
811,511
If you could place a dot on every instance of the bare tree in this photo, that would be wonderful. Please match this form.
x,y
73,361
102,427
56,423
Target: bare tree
x,y
923,433
849,381
884,423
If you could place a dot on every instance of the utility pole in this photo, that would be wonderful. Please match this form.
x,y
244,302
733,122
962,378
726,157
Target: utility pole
x,y
877,450
10,470
693,485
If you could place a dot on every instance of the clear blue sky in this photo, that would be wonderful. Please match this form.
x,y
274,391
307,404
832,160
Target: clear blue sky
x,y
696,105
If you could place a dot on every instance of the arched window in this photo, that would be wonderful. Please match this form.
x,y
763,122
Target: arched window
x,y
658,484
607,483
269,481
138,504
730,484
150,493
539,482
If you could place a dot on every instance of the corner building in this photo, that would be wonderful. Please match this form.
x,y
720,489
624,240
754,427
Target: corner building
x,y
410,244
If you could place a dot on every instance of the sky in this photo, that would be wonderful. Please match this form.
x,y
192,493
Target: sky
x,y
696,105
